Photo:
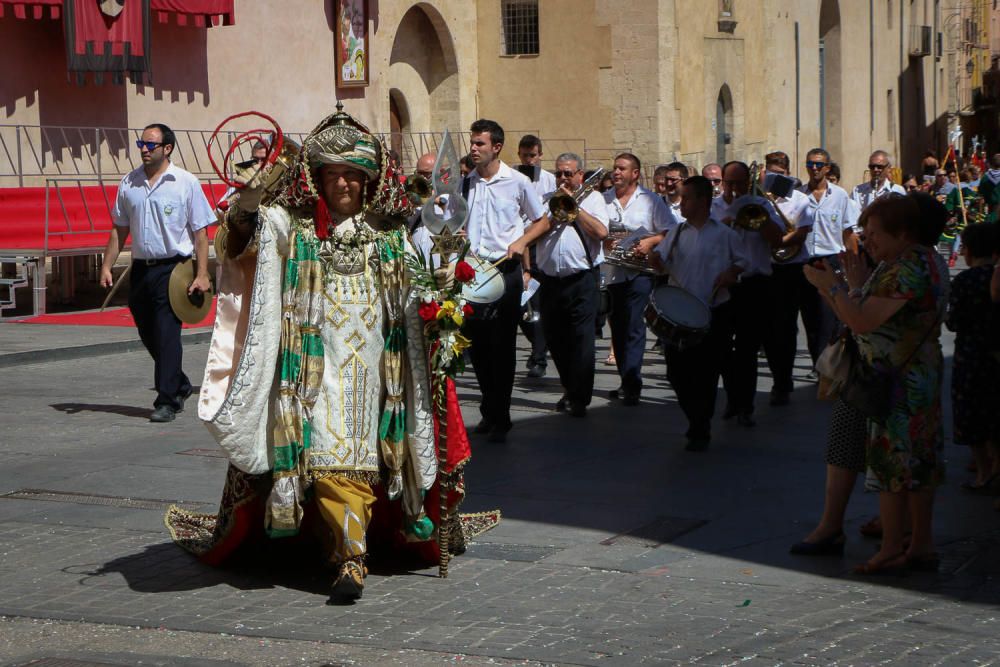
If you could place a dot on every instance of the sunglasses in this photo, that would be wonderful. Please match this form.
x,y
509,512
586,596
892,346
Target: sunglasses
x,y
565,173
873,167
813,164
148,145
671,179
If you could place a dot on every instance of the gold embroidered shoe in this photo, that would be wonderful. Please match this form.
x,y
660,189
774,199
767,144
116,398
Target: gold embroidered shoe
x,y
350,581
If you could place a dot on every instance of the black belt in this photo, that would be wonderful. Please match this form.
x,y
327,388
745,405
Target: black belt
x,y
165,260
573,276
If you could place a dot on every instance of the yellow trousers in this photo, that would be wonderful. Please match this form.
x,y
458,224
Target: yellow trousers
x,y
346,508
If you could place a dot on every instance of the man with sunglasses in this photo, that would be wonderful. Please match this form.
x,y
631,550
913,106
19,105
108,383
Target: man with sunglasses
x,y
569,259
165,211
713,172
830,217
879,185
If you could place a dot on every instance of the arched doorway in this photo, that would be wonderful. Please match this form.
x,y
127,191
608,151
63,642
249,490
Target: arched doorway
x,y
423,78
723,124
830,123
398,124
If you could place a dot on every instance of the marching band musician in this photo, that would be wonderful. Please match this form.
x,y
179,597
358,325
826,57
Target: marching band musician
x,y
421,236
879,185
830,218
529,152
673,177
569,259
706,258
498,197
789,287
750,296
638,211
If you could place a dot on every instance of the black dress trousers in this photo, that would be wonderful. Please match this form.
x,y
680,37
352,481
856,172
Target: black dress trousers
x,y
751,325
159,329
569,312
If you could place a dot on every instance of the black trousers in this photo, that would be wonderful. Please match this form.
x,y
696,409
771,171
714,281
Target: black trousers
x,y
751,323
694,372
569,311
159,329
493,332
791,294
535,333
628,329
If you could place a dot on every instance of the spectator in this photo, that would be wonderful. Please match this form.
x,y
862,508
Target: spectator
x,y
975,393
894,316
910,183
834,174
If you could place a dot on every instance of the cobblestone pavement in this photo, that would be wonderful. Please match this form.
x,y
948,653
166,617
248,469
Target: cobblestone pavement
x,y
617,547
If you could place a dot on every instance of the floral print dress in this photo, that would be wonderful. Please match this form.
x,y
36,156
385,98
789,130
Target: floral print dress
x,y
905,450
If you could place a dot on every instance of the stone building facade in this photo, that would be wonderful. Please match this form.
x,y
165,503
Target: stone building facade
x,y
695,80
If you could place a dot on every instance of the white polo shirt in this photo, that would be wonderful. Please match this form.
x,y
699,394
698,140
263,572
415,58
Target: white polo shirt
x,y
793,206
700,256
561,252
495,210
756,249
644,210
829,218
162,219
863,195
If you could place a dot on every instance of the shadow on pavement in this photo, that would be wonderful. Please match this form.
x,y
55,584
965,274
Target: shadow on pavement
x,y
123,410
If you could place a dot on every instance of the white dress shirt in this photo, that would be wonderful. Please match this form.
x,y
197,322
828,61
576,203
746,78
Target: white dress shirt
x,y
561,252
546,183
162,218
495,210
863,195
755,247
829,218
675,208
793,207
700,256
644,211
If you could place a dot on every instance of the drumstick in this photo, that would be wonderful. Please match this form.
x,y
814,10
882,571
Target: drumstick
x,y
114,288
498,262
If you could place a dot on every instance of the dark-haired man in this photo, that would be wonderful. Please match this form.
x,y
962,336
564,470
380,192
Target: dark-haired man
x,y
639,212
529,152
165,211
498,198
704,257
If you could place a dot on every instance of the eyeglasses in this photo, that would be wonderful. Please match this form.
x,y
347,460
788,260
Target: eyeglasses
x,y
814,164
148,145
873,167
673,179
566,173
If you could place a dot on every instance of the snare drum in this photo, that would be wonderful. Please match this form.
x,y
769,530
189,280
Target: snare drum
x,y
678,317
488,285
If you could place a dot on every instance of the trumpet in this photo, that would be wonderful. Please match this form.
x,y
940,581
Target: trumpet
x,y
418,189
564,207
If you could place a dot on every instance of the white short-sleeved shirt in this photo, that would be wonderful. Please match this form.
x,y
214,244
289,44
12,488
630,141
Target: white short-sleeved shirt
x,y
644,210
755,247
163,218
561,252
496,208
793,206
675,209
546,182
700,256
863,195
829,218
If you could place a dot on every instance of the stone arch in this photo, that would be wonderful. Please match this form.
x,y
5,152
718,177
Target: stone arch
x,y
423,77
830,80
724,125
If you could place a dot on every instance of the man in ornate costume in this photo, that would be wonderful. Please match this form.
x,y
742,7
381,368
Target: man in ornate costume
x,y
316,383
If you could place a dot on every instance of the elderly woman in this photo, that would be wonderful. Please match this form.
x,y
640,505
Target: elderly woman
x,y
894,314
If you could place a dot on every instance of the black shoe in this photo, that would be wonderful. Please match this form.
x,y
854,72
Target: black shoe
x,y
163,413
615,394
831,546
698,444
562,404
630,400
730,411
181,397
780,397
746,419
536,371
483,427
812,376
577,410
